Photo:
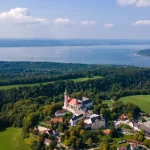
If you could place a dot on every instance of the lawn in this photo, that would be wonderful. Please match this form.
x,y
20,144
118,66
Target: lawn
x,y
143,101
11,139
26,85
108,102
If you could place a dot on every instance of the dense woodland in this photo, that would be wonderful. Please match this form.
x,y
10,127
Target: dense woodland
x,y
26,106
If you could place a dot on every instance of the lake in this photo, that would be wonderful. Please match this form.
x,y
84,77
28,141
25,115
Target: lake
x,y
122,54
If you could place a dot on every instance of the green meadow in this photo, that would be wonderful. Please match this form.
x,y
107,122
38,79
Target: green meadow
x,y
143,101
11,139
86,79
27,85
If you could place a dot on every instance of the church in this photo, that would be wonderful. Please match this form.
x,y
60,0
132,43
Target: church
x,y
76,106
81,111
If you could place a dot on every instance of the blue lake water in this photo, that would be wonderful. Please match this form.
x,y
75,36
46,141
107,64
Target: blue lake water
x,y
100,54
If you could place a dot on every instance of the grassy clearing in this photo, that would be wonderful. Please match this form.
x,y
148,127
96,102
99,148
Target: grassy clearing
x,y
86,79
108,102
143,101
27,85
11,139
31,138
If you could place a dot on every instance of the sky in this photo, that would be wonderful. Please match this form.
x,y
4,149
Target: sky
x,y
65,19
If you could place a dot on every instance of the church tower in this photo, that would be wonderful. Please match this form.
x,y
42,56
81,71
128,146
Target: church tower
x,y
65,99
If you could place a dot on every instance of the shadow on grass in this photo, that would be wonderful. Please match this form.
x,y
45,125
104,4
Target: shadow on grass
x,y
2,129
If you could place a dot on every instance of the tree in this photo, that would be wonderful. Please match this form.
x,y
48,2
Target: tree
x,y
104,146
52,145
78,143
60,127
82,132
113,132
147,143
113,147
90,142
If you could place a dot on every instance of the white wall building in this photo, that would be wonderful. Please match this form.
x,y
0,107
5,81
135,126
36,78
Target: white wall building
x,y
95,122
74,120
76,106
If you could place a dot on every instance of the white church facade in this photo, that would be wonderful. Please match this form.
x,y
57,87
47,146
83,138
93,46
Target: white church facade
x,y
79,109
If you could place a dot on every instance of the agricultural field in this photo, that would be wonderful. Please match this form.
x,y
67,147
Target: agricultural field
x,y
26,85
143,101
11,139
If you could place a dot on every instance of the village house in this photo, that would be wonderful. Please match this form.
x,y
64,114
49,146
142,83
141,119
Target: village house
x,y
136,126
95,122
42,129
75,119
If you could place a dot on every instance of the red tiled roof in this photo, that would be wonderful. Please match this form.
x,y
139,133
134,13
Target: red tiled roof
x,y
60,120
73,102
106,131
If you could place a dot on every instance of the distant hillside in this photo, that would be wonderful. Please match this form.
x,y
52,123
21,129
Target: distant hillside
x,y
145,52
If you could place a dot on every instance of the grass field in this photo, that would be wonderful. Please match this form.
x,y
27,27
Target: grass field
x,y
26,85
143,101
86,79
11,139
108,102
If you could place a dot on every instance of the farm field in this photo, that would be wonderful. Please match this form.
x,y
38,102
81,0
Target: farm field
x,y
11,139
143,101
26,85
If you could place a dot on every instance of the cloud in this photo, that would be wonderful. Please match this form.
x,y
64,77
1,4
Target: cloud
x,y
108,25
143,3
142,22
126,2
88,22
63,21
137,3
20,16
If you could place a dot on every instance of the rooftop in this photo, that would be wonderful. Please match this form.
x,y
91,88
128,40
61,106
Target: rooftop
x,y
60,111
122,148
73,102
77,117
55,120
106,131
